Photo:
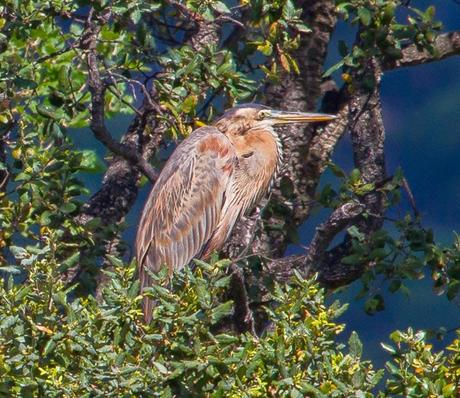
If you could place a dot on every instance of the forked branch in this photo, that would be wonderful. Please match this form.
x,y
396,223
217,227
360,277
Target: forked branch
x,y
97,90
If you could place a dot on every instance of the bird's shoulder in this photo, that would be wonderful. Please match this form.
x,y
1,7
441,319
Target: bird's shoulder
x,y
206,139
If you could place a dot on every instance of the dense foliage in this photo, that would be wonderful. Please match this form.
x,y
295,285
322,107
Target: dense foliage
x,y
54,347
56,339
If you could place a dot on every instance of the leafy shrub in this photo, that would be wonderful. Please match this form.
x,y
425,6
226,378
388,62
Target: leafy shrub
x,y
53,346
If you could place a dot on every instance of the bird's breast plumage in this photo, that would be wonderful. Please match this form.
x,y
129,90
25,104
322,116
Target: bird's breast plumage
x,y
256,172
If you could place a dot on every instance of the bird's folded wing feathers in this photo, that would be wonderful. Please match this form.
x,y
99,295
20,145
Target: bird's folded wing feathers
x,y
185,204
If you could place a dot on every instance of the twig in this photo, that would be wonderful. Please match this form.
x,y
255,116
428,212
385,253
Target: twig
x,y
410,195
147,95
230,19
120,97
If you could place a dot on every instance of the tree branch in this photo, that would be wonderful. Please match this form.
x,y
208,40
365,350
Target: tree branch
x,y
242,315
340,219
445,45
363,111
97,90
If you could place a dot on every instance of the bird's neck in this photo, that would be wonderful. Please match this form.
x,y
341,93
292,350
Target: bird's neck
x,y
261,148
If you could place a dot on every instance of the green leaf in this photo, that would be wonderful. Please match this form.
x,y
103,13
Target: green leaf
x,y
265,48
352,259
49,347
302,27
394,285
226,339
18,252
115,260
333,68
10,269
90,162
356,233
343,48
356,347
388,348
189,104
53,166
355,176
25,83
68,208
136,16
221,7
365,15
69,261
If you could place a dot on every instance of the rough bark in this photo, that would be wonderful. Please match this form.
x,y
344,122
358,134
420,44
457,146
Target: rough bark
x,y
359,113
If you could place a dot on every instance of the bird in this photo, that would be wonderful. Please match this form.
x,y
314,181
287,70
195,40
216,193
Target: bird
x,y
213,177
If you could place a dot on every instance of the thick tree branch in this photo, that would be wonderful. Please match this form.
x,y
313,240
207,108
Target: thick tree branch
x,y
301,93
445,45
338,221
242,315
363,111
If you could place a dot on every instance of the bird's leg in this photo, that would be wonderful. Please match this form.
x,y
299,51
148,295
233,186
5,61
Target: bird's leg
x,y
242,316
253,223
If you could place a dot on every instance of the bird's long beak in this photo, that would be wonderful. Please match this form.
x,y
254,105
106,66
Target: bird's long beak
x,y
282,117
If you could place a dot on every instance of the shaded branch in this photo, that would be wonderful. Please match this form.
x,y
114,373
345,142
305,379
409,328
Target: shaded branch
x,y
242,315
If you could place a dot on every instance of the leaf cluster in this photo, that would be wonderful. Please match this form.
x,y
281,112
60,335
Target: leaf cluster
x,y
382,33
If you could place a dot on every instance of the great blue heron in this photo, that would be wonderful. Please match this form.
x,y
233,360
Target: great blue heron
x,y
213,177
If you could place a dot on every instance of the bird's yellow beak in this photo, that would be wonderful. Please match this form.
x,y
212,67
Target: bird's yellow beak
x,y
282,117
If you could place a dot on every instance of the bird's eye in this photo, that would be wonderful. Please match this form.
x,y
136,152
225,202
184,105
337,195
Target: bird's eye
x,y
262,114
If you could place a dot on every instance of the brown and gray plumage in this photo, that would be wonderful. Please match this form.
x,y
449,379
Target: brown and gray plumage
x,y
213,177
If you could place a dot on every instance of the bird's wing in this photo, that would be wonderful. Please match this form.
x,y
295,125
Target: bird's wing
x,y
185,205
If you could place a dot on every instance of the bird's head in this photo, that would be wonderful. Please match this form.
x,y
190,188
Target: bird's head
x,y
243,118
